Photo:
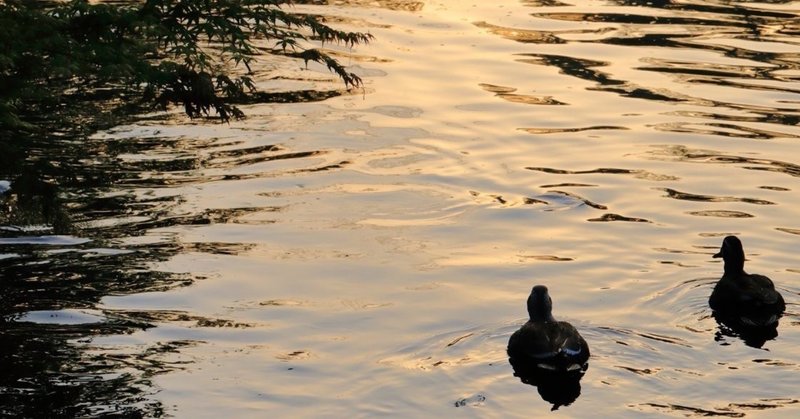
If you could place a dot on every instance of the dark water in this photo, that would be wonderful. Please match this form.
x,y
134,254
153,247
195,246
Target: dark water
x,y
369,253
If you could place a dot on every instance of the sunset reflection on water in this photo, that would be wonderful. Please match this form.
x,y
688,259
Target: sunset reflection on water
x,y
370,253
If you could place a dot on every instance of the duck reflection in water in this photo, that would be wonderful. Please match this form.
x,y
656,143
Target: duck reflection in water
x,y
753,336
547,353
744,305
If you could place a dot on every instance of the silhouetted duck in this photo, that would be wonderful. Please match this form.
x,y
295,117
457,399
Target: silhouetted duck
x,y
746,298
545,343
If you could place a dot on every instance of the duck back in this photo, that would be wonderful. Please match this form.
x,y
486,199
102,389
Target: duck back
x,y
554,345
750,299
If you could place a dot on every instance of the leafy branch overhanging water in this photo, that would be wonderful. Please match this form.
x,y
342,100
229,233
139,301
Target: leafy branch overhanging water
x,y
194,53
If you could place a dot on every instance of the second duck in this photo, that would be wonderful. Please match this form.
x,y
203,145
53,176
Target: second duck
x,y
748,299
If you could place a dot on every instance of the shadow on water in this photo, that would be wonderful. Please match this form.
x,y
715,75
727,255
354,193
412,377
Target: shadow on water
x,y
49,265
83,218
52,371
66,230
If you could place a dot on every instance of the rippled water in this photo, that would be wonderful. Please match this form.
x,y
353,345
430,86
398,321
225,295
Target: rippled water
x,y
369,253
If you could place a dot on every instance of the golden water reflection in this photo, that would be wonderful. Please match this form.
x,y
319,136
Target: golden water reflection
x,y
368,254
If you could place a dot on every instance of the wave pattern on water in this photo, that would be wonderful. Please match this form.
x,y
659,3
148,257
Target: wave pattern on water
x,y
369,253
686,154
733,31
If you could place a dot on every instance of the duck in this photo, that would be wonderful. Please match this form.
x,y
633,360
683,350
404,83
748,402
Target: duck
x,y
748,299
545,343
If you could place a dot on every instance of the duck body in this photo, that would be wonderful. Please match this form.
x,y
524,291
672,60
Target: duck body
x,y
748,299
553,346
546,343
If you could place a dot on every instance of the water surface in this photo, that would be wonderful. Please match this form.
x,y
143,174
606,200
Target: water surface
x,y
369,253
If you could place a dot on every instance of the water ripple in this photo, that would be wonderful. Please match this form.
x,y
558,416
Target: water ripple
x,y
721,213
578,129
638,173
672,193
683,153
650,336
507,93
617,217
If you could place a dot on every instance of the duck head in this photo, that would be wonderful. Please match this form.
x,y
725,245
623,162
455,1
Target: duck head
x,y
540,306
732,253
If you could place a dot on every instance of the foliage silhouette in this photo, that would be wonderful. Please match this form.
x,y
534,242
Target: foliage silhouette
x,y
194,53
